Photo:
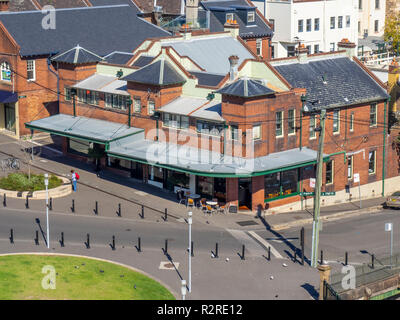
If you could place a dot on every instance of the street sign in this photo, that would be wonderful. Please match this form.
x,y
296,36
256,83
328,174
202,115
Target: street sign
x,y
304,194
21,97
312,182
325,194
356,177
388,226
333,193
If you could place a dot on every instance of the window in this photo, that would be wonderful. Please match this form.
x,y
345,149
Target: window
x,y
251,17
308,49
291,121
30,70
137,105
333,23
332,46
67,94
291,51
257,132
347,21
115,101
372,115
272,52
150,107
259,47
340,22
352,122
336,121
376,26
229,16
308,25
316,48
234,132
211,128
300,26
360,4
372,162
272,23
329,172
377,4
87,96
316,24
5,71
281,183
312,126
175,121
278,124
350,167
359,26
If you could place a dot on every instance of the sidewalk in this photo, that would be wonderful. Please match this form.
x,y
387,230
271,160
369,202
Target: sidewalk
x,y
291,219
111,189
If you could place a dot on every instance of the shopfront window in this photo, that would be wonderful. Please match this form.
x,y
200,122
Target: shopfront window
x,y
79,147
205,186
120,164
156,174
281,183
177,179
220,189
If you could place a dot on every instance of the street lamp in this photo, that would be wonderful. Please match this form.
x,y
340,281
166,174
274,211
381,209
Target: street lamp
x,y
183,289
389,227
190,250
46,183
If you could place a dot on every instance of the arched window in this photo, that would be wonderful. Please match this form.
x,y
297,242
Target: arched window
x,y
5,71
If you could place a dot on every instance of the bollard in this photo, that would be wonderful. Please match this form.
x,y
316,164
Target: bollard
x,y
302,245
11,236
113,242
346,256
139,249
373,261
96,208
5,201
37,238
51,204
166,214
243,248
73,206
191,249
142,216
269,253
62,239
119,210
322,257
27,202
88,241
294,255
166,247
216,250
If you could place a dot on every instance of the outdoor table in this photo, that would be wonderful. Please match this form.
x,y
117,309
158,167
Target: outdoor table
x,y
195,197
212,203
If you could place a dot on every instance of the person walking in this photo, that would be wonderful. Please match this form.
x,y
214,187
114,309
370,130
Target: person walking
x,y
74,178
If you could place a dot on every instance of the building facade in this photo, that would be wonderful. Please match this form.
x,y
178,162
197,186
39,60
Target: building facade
x,y
372,14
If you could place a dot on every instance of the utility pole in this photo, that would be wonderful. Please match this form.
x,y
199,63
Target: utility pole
x,y
317,194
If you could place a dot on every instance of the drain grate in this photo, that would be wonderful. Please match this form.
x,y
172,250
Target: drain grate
x,y
247,223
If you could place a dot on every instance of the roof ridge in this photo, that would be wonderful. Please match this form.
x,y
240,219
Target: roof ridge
x,y
65,9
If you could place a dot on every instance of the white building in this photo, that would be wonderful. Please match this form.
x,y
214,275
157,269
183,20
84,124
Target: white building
x,y
372,15
318,24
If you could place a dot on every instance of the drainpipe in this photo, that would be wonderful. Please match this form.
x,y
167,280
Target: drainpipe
x,y
303,102
58,80
384,149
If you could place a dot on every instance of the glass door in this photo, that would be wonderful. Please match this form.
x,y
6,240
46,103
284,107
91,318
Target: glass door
x,y
245,194
10,117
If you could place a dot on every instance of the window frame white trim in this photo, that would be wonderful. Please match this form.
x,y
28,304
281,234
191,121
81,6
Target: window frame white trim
x,y
34,70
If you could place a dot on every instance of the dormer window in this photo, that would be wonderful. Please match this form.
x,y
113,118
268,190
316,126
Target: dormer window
x,y
5,71
251,16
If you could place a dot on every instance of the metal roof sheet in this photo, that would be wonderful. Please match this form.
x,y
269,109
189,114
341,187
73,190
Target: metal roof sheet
x,y
183,105
103,83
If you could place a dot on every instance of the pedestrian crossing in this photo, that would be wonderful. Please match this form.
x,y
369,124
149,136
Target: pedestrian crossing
x,y
254,244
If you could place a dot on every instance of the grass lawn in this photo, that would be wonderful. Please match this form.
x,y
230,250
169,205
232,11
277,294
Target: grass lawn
x,y
21,182
76,279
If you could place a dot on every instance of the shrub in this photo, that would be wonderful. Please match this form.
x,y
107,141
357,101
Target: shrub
x,y
21,182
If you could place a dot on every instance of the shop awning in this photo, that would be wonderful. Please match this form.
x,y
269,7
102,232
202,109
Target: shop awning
x,y
82,128
205,163
8,96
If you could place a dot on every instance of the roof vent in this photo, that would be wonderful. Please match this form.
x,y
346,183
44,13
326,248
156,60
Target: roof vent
x,y
324,78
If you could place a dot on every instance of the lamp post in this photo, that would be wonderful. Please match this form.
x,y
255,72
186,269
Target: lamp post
x,y
46,183
183,289
190,250
389,227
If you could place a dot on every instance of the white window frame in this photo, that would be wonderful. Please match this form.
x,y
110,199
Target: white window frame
x,y
31,67
338,121
333,25
313,134
351,168
294,122
316,24
230,16
348,21
251,16
376,114
257,132
333,172
352,116
137,108
259,46
281,122
374,153
150,111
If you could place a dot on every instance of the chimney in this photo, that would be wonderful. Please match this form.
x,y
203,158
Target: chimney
x,y
4,5
192,12
233,72
394,90
186,31
302,53
233,27
350,47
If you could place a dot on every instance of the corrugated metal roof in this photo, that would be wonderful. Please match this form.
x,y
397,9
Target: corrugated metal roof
x,y
183,105
215,60
103,83
82,127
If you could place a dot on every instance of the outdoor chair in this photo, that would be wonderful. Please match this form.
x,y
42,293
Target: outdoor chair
x,y
209,210
190,203
180,196
202,204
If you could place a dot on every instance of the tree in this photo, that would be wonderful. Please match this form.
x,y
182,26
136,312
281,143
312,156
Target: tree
x,y
392,32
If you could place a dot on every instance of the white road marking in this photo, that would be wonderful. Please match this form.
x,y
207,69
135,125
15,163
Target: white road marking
x,y
141,193
266,244
251,245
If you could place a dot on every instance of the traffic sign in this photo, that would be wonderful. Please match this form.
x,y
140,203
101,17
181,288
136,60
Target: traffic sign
x,y
356,177
312,182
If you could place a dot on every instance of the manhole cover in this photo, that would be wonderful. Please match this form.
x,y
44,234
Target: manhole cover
x,y
247,223
167,265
